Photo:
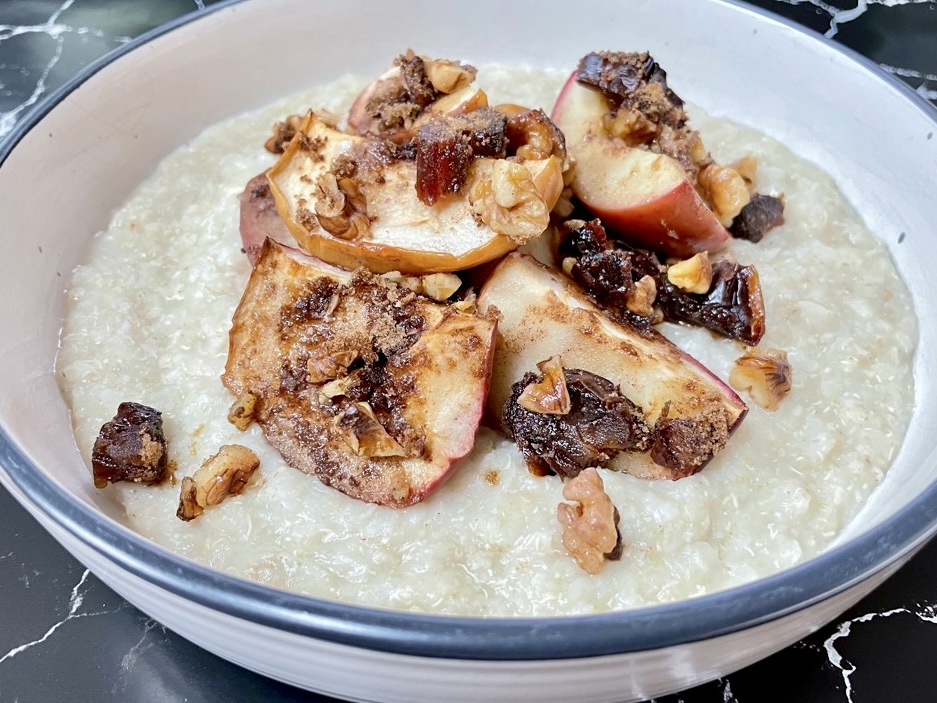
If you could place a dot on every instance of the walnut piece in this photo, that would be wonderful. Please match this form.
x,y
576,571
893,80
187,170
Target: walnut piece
x,y
221,475
765,374
449,76
283,133
131,447
694,275
590,526
241,414
549,395
364,435
440,286
726,191
323,367
340,207
502,193
641,300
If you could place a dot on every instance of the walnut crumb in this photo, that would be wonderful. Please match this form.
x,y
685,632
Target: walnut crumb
x,y
222,474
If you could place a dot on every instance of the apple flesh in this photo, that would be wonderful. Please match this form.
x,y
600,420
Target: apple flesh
x,y
543,314
645,198
462,100
405,234
437,383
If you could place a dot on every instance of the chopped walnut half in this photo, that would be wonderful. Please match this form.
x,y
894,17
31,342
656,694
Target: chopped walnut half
x,y
449,76
726,191
221,475
341,208
502,193
440,286
363,433
765,373
549,395
641,300
283,133
694,275
241,414
324,367
590,526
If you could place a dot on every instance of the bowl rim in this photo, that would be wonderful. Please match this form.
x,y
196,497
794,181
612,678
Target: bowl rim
x,y
472,638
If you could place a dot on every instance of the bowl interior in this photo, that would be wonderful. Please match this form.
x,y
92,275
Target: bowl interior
x,y
81,158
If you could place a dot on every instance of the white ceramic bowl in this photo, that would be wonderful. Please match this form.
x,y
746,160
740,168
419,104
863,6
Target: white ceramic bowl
x,y
76,158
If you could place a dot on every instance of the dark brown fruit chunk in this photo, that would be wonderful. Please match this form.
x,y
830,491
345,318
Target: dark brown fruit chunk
x,y
131,447
763,213
600,424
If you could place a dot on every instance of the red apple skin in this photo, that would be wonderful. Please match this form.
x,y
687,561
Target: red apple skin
x,y
642,197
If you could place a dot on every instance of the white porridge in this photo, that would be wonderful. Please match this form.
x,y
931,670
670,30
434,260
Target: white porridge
x,y
149,318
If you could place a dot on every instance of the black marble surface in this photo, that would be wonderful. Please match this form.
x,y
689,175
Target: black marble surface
x,y
64,636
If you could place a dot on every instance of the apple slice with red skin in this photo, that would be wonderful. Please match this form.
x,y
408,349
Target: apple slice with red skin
x,y
456,103
405,234
429,394
543,314
645,198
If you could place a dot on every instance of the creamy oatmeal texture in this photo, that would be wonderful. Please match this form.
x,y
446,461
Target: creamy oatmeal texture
x,y
149,318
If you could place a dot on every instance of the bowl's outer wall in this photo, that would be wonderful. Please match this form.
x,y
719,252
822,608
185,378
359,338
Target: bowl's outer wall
x,y
79,160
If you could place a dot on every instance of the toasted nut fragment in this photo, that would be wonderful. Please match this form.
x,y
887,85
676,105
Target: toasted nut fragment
x,y
695,275
548,396
325,367
283,133
641,300
364,434
747,167
503,195
449,76
568,264
340,207
335,388
440,286
726,191
765,373
188,509
412,283
241,414
221,475
590,527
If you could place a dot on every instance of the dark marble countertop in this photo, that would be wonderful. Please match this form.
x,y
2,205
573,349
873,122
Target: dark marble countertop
x,y
64,636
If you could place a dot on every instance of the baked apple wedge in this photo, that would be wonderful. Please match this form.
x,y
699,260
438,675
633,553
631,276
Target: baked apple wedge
x,y
638,165
445,201
415,90
543,315
357,380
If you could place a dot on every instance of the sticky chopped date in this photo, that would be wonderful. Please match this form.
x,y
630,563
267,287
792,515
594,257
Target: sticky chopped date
x,y
733,307
446,147
609,273
685,445
762,214
601,423
634,79
131,447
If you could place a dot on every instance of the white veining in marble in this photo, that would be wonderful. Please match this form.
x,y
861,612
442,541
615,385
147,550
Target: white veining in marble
x,y
840,16
75,601
925,613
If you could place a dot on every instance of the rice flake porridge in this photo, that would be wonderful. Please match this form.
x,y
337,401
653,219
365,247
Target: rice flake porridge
x,y
148,321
